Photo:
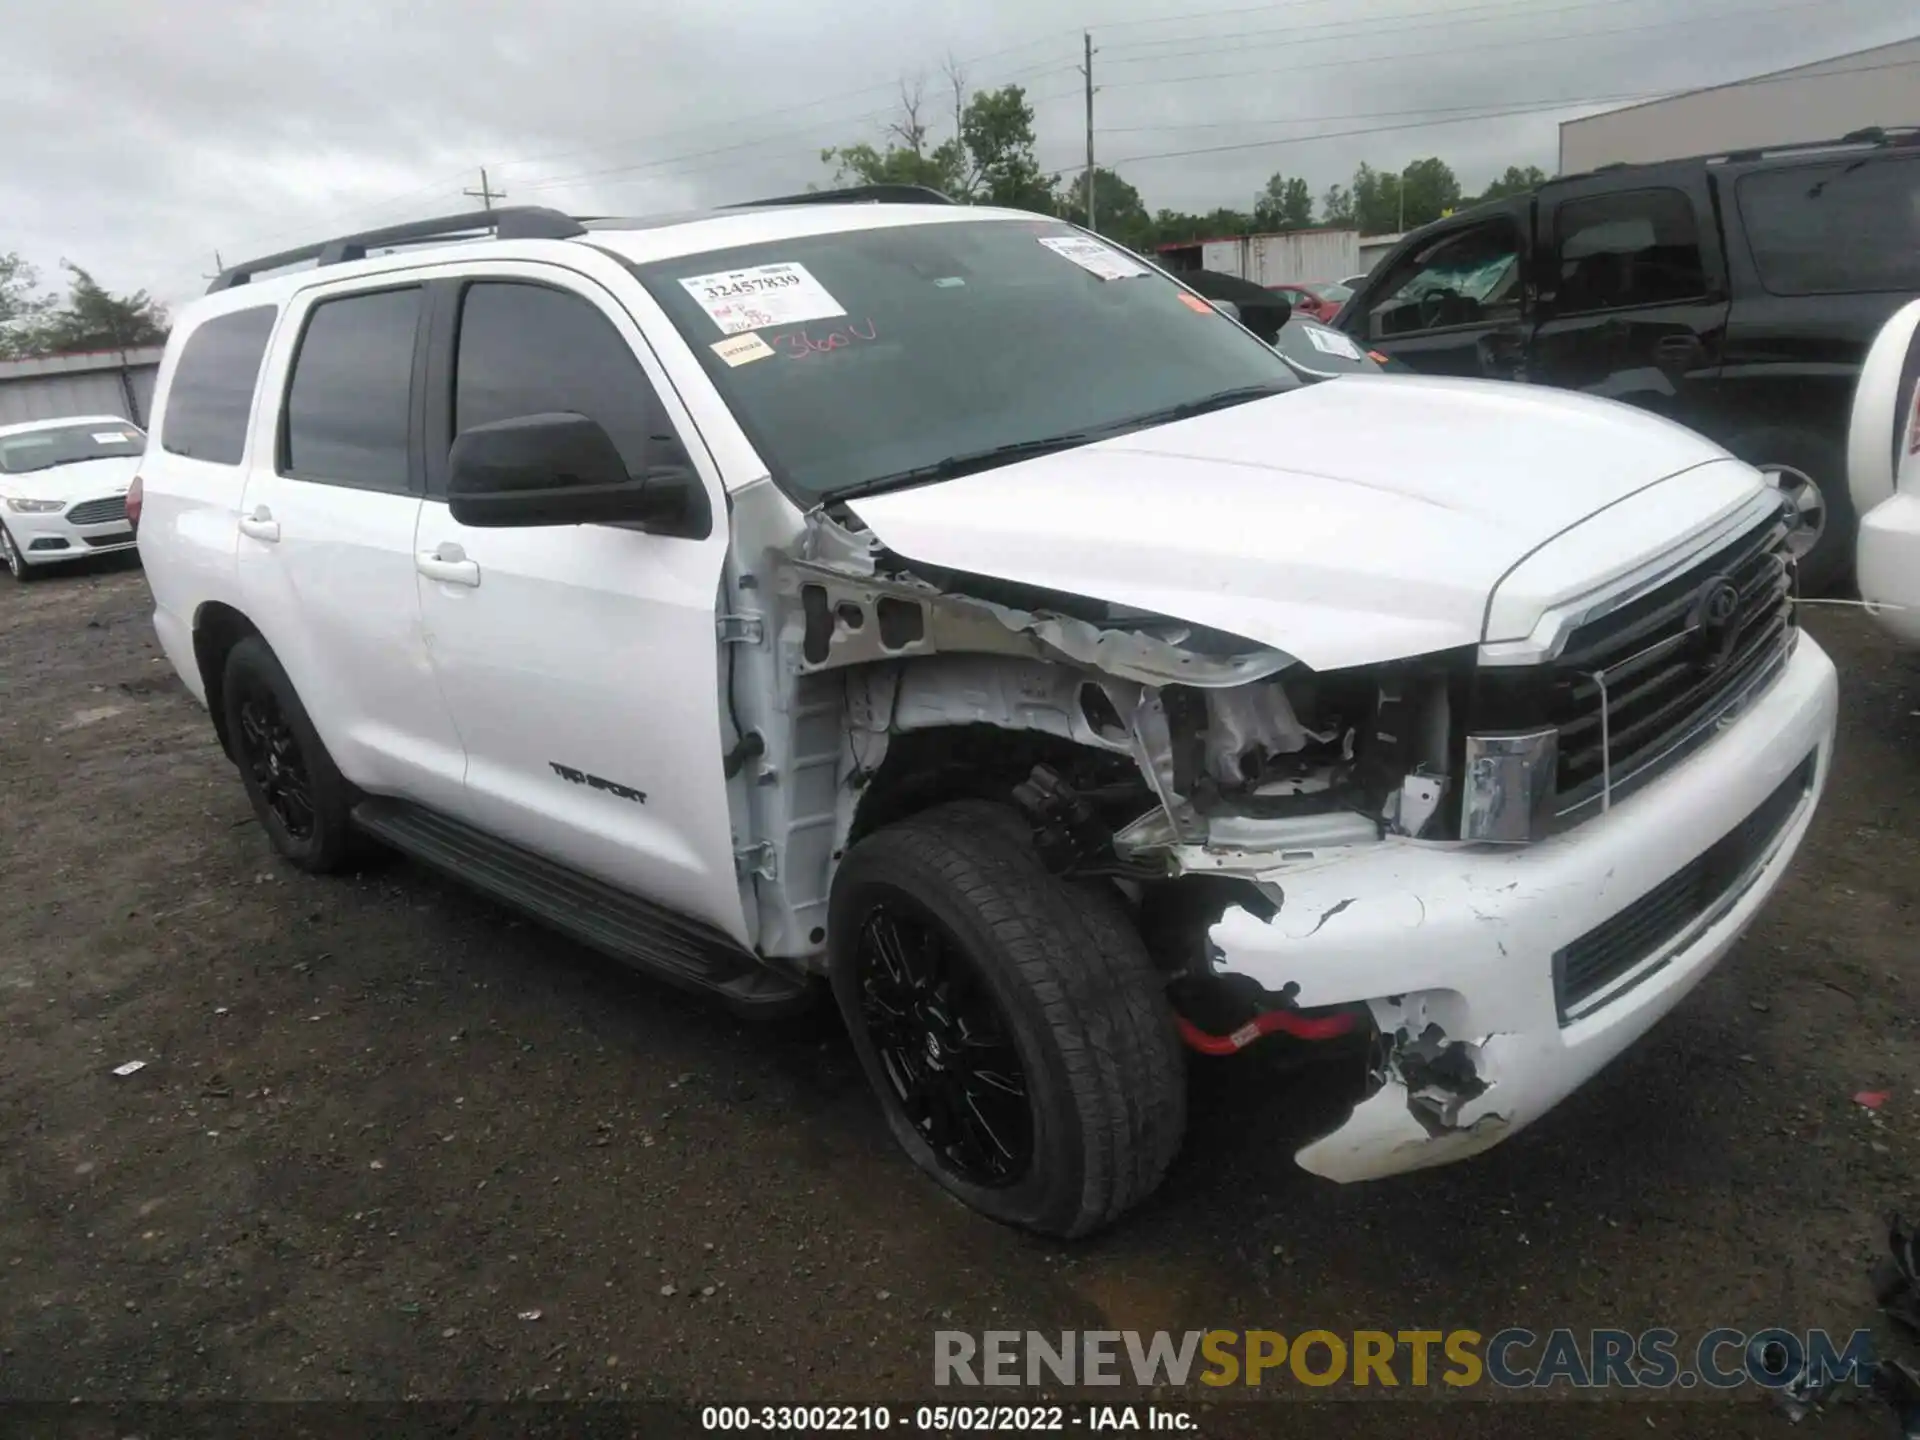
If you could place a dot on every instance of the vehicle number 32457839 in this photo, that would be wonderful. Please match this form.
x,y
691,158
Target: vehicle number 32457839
x,y
748,286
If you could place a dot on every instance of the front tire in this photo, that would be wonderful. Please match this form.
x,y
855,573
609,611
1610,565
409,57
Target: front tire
x,y
1810,470
1011,1023
11,556
299,797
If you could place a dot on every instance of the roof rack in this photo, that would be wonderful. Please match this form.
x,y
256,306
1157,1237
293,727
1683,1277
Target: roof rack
x,y
857,194
516,222
1872,135
1882,137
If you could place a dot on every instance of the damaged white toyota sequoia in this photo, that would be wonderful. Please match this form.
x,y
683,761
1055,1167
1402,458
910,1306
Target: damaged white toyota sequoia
x,y
937,604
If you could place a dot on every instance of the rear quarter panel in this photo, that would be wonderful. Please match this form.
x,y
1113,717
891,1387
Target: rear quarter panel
x,y
189,522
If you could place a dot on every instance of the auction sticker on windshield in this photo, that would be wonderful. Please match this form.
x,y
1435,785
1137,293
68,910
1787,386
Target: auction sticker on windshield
x,y
1093,257
762,295
1332,342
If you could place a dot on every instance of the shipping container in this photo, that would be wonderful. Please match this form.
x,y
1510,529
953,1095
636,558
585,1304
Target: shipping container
x,y
1279,259
105,382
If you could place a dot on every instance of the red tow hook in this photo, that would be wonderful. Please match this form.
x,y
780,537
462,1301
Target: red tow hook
x,y
1291,1022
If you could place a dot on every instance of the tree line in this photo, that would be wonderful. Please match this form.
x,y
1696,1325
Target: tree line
x,y
988,159
89,317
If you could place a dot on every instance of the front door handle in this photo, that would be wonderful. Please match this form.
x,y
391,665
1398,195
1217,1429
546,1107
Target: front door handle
x,y
1680,349
448,564
260,525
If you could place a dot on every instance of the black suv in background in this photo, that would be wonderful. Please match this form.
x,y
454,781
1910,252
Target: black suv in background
x,y
1735,293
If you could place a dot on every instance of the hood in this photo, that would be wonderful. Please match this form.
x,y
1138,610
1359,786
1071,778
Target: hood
x,y
1367,519
83,480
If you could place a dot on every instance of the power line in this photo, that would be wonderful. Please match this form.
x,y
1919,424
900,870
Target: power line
x,y
1481,47
553,181
1505,10
1246,120
1529,108
1570,102
786,111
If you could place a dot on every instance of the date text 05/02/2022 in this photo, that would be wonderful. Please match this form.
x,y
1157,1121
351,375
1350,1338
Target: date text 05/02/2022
x,y
947,1419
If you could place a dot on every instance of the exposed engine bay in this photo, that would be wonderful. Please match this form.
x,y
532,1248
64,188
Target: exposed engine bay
x,y
1174,762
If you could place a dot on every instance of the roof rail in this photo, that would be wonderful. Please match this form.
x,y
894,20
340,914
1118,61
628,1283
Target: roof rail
x,y
855,195
515,222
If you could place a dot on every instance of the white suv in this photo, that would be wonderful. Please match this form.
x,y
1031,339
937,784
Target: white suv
x,y
63,489
940,603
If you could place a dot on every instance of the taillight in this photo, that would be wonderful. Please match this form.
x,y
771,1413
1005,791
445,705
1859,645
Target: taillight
x,y
134,497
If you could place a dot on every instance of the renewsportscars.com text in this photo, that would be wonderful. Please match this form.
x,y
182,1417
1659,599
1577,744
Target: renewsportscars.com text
x,y
1513,1358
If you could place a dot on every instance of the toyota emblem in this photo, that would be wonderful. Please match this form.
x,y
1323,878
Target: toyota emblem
x,y
1711,621
1718,602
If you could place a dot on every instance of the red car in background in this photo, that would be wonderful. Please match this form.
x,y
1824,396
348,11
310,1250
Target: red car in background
x,y
1316,299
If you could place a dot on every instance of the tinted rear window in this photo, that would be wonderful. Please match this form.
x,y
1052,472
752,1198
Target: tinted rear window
x,y
1838,227
212,392
349,396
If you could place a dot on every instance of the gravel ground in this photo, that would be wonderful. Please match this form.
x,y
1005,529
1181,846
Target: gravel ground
x,y
390,1143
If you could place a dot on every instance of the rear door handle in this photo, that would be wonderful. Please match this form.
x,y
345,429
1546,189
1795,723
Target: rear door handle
x,y
448,564
1678,347
260,525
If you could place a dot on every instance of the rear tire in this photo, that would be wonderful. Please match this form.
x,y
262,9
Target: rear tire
x,y
1048,989
300,798
1811,470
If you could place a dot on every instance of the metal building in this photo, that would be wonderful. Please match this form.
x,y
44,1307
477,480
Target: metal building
x,y
100,382
1821,101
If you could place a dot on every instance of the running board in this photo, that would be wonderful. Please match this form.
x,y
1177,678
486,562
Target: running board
x,y
681,951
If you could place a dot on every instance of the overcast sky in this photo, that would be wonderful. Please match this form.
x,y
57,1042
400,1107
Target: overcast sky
x,y
140,137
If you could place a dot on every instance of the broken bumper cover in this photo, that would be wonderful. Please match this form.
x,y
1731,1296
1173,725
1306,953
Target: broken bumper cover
x,y
1453,947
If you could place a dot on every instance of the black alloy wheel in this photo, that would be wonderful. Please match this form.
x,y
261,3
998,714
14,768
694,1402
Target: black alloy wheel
x,y
945,1047
271,752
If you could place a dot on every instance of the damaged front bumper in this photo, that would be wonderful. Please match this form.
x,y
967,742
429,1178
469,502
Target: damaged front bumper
x,y
1502,979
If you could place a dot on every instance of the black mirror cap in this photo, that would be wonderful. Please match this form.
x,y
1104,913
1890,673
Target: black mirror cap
x,y
564,469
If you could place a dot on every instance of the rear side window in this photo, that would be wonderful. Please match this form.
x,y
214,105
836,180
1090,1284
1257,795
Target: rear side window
x,y
1839,227
212,393
529,350
1638,247
350,395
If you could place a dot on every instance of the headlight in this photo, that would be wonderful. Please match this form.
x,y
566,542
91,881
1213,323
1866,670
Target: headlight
x,y
35,507
1509,787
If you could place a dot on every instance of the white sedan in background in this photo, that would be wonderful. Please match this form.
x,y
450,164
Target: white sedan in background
x,y
63,489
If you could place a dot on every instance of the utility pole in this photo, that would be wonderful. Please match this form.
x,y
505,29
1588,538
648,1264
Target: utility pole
x,y
1086,69
486,194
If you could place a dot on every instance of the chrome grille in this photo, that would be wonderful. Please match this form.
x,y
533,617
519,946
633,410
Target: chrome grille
x,y
98,512
1634,690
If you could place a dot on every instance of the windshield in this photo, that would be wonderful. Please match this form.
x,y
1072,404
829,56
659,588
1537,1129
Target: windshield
x,y
32,450
863,358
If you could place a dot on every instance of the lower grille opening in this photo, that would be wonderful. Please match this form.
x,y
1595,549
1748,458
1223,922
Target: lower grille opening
x,y
1590,965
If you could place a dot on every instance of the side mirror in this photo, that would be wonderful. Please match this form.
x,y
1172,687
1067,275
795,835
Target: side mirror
x,y
1226,308
564,469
